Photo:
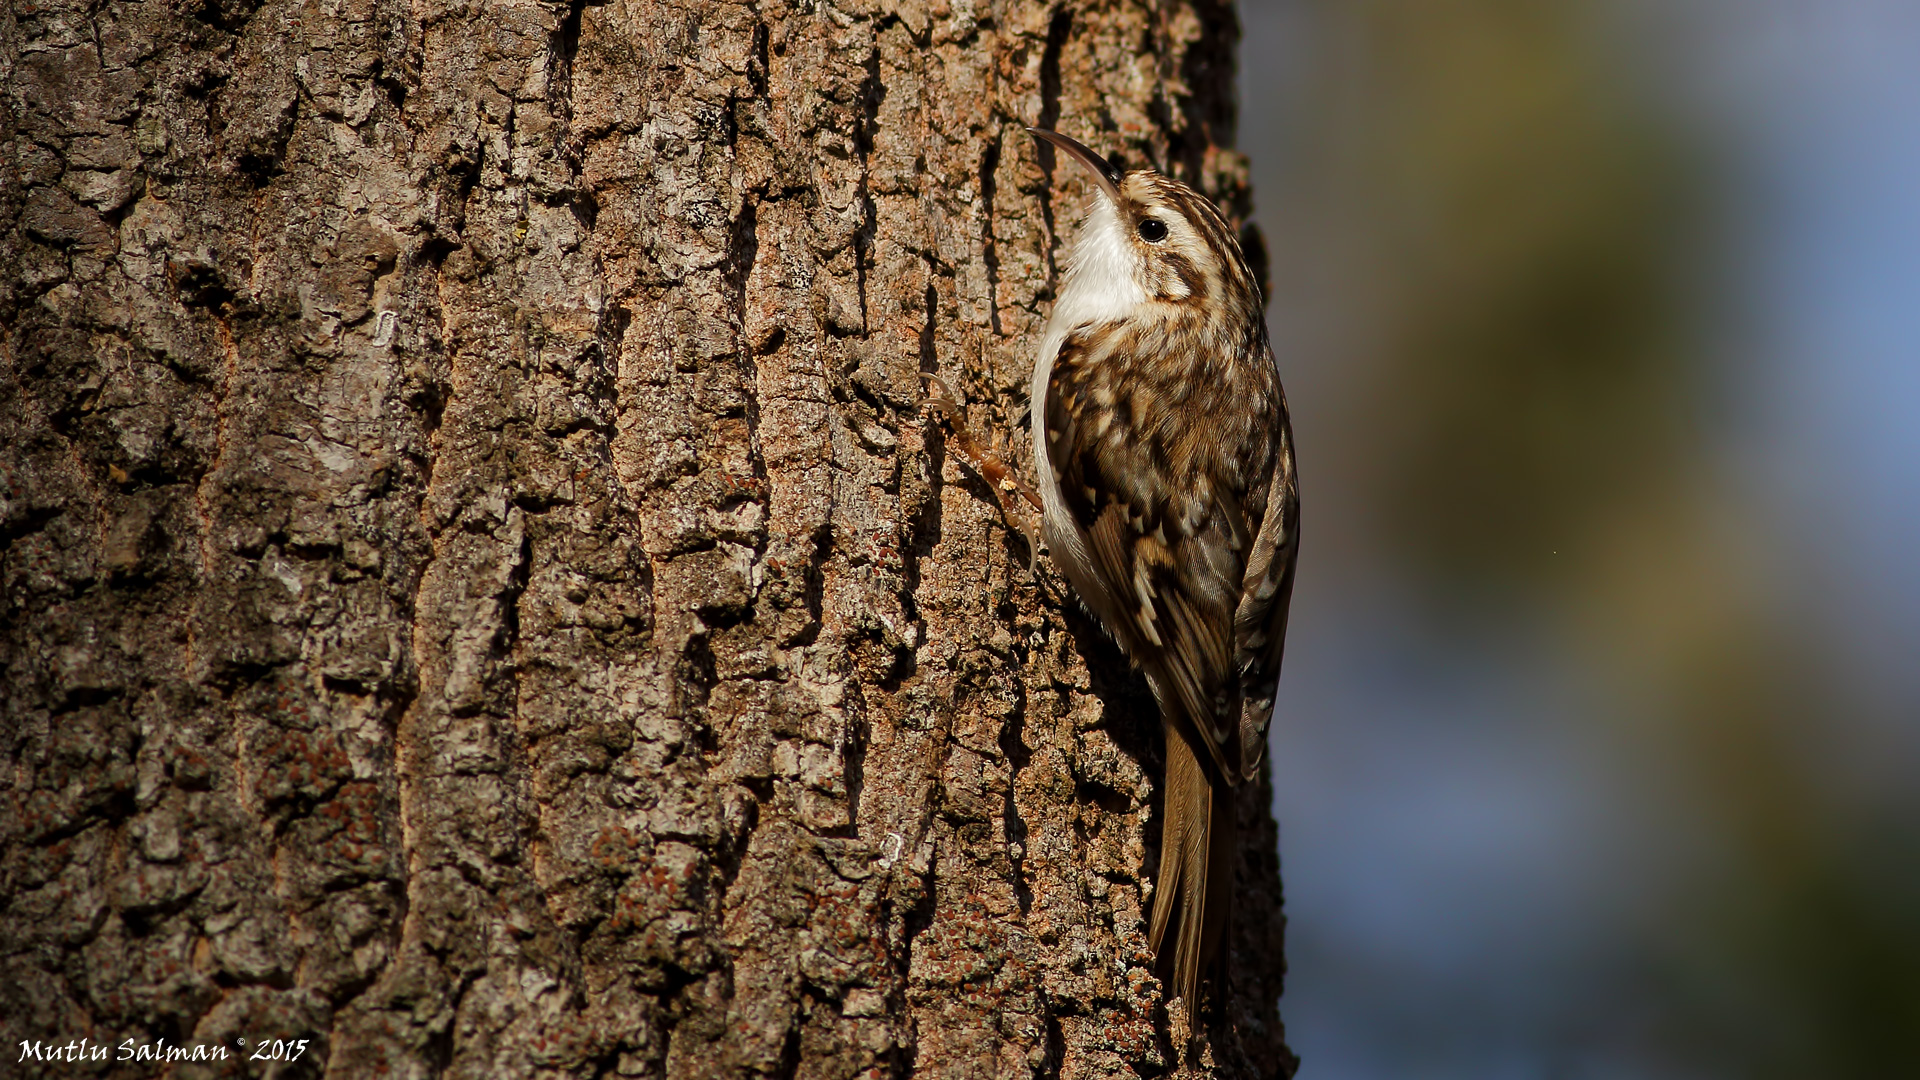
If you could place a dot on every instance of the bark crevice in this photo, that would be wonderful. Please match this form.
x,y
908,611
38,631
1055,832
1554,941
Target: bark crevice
x,y
478,593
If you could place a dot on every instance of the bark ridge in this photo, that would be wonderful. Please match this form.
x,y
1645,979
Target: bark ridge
x,y
478,593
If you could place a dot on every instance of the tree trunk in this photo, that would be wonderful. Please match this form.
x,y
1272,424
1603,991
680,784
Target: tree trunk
x,y
480,595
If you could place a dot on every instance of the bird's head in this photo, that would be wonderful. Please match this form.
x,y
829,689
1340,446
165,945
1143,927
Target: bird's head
x,y
1148,237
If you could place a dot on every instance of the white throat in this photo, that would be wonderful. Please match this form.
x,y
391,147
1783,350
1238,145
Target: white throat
x,y
1103,272
1102,285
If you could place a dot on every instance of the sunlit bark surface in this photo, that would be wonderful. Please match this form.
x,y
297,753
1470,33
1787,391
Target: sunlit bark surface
x,y
479,592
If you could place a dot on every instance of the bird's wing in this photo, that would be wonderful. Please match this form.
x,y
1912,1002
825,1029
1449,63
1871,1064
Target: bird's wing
x,y
1260,622
1167,541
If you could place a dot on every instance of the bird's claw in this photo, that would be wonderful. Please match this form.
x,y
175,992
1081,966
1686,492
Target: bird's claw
x,y
942,402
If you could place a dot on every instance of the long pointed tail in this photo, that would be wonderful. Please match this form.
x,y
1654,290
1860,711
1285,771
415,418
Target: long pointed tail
x,y
1196,869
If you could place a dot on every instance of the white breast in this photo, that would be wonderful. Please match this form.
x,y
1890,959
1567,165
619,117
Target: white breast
x,y
1101,285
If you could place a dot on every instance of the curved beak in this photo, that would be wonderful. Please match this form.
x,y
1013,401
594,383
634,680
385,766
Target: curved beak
x,y
1104,174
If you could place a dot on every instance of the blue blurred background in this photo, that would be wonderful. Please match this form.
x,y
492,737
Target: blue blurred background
x,y
1598,745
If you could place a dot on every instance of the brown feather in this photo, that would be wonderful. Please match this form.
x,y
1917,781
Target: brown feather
x,y
1195,879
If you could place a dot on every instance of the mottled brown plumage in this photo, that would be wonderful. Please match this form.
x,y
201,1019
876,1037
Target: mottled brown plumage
x,y
1165,464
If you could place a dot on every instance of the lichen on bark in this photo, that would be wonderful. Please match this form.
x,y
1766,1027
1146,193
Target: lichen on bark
x,y
479,591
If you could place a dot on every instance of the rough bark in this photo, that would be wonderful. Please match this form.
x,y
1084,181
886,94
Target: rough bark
x,y
479,593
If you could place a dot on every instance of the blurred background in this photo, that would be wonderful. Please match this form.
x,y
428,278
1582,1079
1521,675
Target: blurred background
x,y
1598,752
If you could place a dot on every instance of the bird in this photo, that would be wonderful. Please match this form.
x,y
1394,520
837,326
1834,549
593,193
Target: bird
x,y
1164,456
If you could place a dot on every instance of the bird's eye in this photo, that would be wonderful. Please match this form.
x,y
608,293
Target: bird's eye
x,y
1153,230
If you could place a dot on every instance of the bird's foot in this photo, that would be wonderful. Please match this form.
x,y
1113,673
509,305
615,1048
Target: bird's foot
x,y
1006,483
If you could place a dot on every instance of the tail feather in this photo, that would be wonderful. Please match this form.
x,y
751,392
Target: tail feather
x,y
1194,886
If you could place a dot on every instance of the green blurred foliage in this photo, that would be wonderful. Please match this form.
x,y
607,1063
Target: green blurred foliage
x,y
1798,955
1534,221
